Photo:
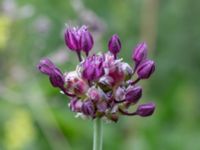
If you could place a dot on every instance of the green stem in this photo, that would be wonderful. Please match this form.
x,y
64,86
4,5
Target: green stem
x,y
97,138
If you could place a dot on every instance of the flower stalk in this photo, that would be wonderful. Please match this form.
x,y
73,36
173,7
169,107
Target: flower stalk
x,y
98,134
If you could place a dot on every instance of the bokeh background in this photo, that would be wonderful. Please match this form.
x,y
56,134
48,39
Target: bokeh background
x,y
34,116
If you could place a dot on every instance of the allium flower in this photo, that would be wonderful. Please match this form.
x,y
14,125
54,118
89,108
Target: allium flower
x,y
102,86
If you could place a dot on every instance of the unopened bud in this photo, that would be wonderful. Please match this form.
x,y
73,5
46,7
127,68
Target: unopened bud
x,y
86,41
55,75
133,94
146,69
139,53
46,66
145,110
76,105
72,39
88,108
119,94
114,44
128,71
57,79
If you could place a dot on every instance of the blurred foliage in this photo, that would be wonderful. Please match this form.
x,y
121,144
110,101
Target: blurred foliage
x,y
34,116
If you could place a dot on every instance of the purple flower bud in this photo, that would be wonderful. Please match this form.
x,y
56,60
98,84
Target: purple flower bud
x,y
88,108
46,66
128,71
146,69
92,68
55,75
119,94
133,94
57,79
114,44
72,39
145,110
75,105
80,87
94,94
139,53
86,41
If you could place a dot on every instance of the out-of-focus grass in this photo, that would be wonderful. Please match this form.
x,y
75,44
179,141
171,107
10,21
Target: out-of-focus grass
x,y
34,115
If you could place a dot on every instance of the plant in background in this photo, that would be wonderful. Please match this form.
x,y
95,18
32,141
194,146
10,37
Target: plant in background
x,y
102,87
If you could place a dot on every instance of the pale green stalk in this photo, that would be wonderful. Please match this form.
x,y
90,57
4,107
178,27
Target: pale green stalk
x,y
98,133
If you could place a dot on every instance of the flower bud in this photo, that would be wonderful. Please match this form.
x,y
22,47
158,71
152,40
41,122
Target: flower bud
x,y
119,94
86,41
88,108
75,105
117,74
128,71
146,69
94,94
46,66
92,68
57,79
133,94
72,39
145,110
80,87
139,53
114,44
55,75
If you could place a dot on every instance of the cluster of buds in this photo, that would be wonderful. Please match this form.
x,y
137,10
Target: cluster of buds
x,y
102,85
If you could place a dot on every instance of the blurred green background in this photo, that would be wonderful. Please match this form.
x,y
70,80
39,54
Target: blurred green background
x,y
34,116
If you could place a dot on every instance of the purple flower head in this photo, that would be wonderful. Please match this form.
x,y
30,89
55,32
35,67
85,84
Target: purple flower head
x,y
88,108
114,44
86,41
133,94
92,67
55,75
145,110
139,53
102,85
146,69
